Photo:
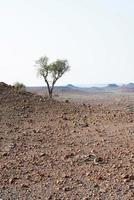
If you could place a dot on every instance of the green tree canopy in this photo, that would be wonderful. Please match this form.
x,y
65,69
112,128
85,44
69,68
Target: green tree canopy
x,y
51,72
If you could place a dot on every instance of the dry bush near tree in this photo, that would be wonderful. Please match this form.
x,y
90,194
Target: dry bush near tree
x,y
19,87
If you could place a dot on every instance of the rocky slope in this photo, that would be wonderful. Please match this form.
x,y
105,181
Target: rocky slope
x,y
64,151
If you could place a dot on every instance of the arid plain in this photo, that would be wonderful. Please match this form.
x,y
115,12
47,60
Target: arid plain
x,y
77,147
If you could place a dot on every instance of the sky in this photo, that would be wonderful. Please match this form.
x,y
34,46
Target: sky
x,y
95,36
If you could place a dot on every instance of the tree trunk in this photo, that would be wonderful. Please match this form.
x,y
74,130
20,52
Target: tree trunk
x,y
50,94
50,88
51,91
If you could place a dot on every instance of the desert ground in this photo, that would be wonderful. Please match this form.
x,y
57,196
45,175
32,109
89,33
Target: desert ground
x,y
76,147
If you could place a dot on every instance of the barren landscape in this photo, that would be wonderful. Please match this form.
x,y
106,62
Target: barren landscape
x,y
77,147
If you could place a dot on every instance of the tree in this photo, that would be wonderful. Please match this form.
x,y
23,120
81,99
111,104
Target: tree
x,y
51,72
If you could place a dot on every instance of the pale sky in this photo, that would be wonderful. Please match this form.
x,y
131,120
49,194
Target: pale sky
x,y
96,36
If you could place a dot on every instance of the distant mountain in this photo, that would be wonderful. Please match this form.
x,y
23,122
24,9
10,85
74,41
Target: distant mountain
x,y
71,86
112,86
127,87
130,85
85,90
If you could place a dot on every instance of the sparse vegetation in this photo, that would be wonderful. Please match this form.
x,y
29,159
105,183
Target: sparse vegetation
x,y
19,87
51,72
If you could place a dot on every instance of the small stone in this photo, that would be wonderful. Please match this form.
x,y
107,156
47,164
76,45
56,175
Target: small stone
x,y
12,179
4,154
125,176
98,160
100,177
64,118
96,185
24,185
131,177
12,146
103,190
30,121
69,156
66,101
66,176
43,154
66,189
84,125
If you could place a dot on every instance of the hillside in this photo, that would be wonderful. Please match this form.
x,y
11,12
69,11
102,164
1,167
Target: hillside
x,y
52,150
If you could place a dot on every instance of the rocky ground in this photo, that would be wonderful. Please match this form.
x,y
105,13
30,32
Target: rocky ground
x,y
52,150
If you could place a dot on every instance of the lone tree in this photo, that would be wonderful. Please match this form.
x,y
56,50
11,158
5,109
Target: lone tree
x,y
51,72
